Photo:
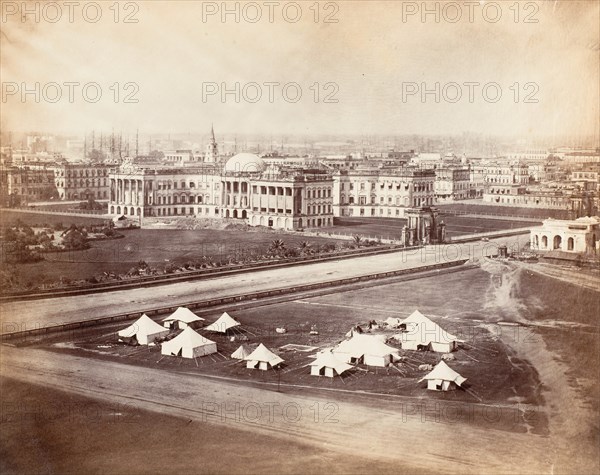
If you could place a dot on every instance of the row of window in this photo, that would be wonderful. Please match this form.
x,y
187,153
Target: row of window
x,y
168,185
83,173
82,183
350,212
166,200
318,209
270,190
416,186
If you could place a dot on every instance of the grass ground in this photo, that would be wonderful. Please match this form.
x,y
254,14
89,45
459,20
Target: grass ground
x,y
493,210
155,246
392,228
467,307
489,308
161,246
35,219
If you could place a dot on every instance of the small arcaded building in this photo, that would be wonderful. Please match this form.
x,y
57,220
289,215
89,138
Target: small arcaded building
x,y
579,236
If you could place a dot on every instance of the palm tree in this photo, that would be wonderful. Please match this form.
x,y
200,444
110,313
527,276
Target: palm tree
x,y
277,245
357,239
304,247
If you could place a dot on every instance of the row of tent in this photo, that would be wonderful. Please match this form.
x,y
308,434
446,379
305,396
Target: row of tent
x,y
183,317
146,331
190,344
360,348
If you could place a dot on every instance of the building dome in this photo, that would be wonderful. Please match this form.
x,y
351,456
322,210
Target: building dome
x,y
245,163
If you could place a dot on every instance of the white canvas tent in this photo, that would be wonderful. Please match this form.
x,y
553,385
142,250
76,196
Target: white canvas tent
x,y
421,333
328,365
443,378
183,316
189,344
242,352
144,330
262,358
223,323
368,349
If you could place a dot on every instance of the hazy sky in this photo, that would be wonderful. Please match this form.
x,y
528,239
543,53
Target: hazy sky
x,y
374,52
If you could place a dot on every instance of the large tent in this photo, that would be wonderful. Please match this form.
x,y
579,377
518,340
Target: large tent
x,y
262,358
144,330
421,333
189,344
368,349
443,378
328,365
183,316
223,323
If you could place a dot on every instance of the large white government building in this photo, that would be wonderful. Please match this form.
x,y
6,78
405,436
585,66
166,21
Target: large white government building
x,y
243,188
278,196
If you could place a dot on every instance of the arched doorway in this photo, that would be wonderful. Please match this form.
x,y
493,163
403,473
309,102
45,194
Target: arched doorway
x,y
544,242
112,210
536,242
235,213
244,215
227,213
557,241
570,244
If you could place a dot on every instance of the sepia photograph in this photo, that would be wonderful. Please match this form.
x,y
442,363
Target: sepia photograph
x,y
300,237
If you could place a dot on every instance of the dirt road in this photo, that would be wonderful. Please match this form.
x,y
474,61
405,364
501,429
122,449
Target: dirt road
x,y
24,315
396,431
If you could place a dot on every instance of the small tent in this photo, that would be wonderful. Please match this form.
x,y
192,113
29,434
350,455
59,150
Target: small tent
x,y
262,358
223,323
328,365
182,316
393,322
421,333
241,352
368,349
144,330
443,378
189,344
354,330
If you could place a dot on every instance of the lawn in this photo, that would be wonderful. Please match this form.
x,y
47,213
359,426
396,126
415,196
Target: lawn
x,y
471,307
387,228
158,247
35,219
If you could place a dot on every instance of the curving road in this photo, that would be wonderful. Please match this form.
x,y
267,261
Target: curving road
x,y
25,315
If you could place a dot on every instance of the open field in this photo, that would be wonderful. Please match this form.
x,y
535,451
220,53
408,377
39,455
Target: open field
x,y
392,228
72,434
157,247
47,311
531,343
479,207
38,219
